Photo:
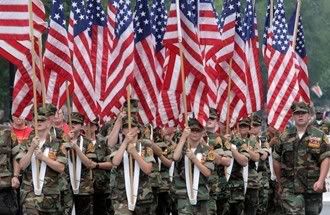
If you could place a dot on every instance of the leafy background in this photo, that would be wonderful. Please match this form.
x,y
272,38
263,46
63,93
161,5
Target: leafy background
x,y
315,15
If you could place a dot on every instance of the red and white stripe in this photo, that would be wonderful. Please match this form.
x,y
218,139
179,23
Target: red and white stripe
x,y
196,84
57,61
14,19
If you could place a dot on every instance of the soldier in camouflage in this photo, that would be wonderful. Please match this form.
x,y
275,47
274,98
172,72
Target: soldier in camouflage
x,y
239,149
101,172
301,163
49,201
8,174
192,136
133,145
263,164
83,201
219,191
320,122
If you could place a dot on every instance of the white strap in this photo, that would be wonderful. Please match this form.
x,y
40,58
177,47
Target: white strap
x,y
75,182
245,176
131,198
170,171
194,182
39,179
230,168
271,167
257,162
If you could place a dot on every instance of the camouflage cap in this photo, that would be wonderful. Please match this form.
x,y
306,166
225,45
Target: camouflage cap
x,y
213,113
319,110
134,105
194,123
77,118
245,121
95,121
42,114
256,120
50,109
134,122
300,107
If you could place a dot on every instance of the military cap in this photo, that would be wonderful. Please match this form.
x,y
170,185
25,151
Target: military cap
x,y
194,123
213,113
245,121
77,118
256,120
134,122
300,107
42,114
95,121
319,110
50,109
134,105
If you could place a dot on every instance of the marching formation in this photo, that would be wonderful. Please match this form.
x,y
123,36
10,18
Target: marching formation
x,y
126,167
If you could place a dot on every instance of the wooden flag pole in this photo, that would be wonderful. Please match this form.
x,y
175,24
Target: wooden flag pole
x,y
183,81
129,117
228,96
296,24
271,13
35,110
42,74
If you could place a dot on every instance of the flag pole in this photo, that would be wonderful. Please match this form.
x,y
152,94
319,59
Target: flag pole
x,y
34,82
42,74
228,95
129,117
296,24
184,95
271,13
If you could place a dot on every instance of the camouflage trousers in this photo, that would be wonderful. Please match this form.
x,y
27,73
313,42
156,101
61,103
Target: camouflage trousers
x,y
235,203
201,208
8,201
38,205
102,204
301,204
121,208
83,204
263,201
251,201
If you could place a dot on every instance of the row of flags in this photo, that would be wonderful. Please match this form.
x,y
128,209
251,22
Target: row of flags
x,y
102,52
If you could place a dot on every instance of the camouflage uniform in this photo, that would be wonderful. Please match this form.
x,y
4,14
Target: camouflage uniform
x,y
8,200
236,183
180,190
102,200
300,160
164,195
49,201
145,199
252,192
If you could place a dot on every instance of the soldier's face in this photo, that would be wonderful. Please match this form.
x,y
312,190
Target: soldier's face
x,y
42,125
76,127
255,130
58,118
196,134
301,119
211,123
244,129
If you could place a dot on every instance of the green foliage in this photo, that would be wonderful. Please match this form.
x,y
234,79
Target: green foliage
x,y
315,15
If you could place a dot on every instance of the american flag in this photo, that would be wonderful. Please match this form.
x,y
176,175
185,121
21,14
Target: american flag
x,y
254,97
15,46
14,19
98,31
302,59
111,23
158,16
210,38
236,73
267,36
84,93
146,81
283,87
196,84
317,90
57,59
121,59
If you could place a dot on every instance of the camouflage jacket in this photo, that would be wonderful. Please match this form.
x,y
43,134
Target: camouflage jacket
x,y
101,177
218,181
237,171
117,179
52,178
6,158
253,179
179,180
301,158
